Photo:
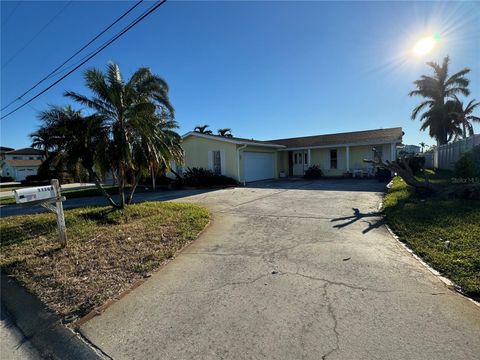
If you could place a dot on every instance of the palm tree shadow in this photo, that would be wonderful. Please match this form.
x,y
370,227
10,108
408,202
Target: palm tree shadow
x,y
357,215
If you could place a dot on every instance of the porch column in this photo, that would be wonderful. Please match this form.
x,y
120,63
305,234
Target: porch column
x,y
347,152
393,151
309,158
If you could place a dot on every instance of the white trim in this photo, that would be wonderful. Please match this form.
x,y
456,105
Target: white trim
x,y
230,140
222,162
339,145
238,160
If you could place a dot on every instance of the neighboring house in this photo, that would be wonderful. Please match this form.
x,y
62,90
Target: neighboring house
x,y
4,150
21,163
251,160
411,149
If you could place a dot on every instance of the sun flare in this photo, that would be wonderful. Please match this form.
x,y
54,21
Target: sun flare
x,y
424,46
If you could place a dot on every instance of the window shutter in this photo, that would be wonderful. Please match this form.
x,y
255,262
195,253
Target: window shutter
x,y
210,160
222,162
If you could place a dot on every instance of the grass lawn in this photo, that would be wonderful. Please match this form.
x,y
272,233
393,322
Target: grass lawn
x,y
425,223
71,194
107,250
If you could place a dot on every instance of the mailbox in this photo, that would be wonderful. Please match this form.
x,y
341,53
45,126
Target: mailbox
x,y
34,194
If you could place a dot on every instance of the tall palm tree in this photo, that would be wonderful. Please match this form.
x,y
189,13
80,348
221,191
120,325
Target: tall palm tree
x,y
76,138
226,132
464,116
422,144
202,129
437,90
131,109
42,140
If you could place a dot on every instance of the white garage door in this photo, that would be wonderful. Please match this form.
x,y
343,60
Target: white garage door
x,y
22,173
258,166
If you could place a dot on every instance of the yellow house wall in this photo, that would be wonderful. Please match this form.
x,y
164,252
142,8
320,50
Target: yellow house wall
x,y
196,154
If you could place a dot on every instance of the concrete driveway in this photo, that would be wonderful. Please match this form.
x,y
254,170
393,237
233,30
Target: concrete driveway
x,y
291,270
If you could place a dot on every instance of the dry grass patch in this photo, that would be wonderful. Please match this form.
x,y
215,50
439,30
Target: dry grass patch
x,y
107,250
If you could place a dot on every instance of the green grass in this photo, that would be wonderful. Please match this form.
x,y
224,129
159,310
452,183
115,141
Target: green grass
x,y
107,251
71,194
425,223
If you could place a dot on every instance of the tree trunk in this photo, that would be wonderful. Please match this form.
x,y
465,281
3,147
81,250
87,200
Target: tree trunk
x,y
153,178
93,175
134,187
121,186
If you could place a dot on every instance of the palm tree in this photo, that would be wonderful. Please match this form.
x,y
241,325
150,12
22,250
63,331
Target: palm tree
x,y
133,112
76,138
42,140
464,116
202,129
437,90
226,132
422,144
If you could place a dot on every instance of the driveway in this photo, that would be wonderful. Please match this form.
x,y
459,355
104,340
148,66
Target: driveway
x,y
290,270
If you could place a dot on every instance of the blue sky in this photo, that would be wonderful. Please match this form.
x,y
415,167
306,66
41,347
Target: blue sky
x,y
265,69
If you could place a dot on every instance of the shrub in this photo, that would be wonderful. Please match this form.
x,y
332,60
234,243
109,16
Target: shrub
x,y
199,177
468,165
416,163
6,179
313,172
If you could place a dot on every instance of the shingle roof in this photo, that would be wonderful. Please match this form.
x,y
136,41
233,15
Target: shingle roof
x,y
233,139
355,137
25,151
23,162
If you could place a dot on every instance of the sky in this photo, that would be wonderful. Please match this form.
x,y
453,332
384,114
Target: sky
x,y
266,69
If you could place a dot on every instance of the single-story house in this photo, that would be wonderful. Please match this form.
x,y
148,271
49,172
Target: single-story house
x,y
250,160
21,163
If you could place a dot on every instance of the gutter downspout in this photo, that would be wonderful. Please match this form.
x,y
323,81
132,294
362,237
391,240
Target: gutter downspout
x,y
238,162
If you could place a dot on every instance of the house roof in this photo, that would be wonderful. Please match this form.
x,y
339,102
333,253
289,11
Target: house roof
x,y
17,163
25,151
5,149
234,140
376,136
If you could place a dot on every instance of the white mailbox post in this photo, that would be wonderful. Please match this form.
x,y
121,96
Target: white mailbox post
x,y
45,196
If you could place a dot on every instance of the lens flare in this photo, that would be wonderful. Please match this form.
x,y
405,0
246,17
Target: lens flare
x,y
424,46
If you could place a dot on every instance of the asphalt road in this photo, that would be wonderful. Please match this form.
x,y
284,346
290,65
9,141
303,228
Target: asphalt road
x,y
291,270
13,345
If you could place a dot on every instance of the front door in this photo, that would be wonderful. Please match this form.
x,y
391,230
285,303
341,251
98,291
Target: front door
x,y
300,162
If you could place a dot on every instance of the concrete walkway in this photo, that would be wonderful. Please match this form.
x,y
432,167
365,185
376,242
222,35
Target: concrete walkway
x,y
291,270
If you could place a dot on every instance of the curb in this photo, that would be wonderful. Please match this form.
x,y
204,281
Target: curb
x,y
449,284
42,327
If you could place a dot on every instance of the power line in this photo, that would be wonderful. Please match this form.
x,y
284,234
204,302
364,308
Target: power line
x,y
140,18
7,19
36,35
71,57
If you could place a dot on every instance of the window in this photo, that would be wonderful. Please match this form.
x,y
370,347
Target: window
x,y
306,158
333,159
217,164
295,158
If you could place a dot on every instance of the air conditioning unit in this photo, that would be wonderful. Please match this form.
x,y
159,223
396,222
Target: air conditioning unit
x,y
34,194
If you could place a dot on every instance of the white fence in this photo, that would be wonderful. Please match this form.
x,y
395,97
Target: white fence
x,y
446,156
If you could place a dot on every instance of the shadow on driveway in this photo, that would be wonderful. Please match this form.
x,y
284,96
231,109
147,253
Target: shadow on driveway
x,y
357,215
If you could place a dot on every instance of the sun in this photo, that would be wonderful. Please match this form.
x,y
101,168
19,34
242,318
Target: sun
x,y
424,46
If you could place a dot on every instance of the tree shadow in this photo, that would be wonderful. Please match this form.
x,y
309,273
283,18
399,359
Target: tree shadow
x,y
357,215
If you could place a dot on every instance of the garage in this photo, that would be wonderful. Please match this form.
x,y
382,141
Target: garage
x,y
22,173
258,165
